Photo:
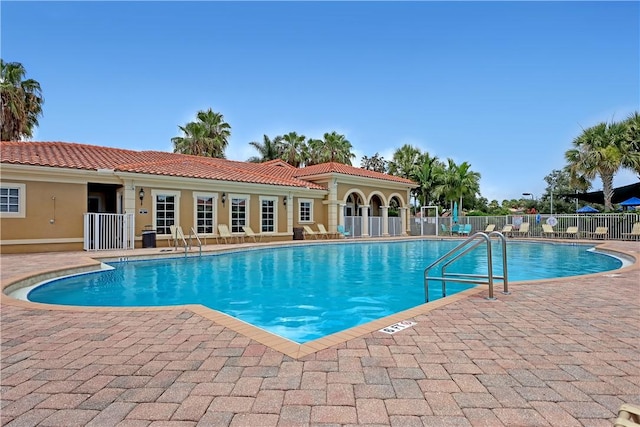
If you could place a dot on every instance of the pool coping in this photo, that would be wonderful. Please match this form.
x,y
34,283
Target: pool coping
x,y
88,262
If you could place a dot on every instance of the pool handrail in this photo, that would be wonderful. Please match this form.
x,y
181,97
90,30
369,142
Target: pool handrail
x,y
471,278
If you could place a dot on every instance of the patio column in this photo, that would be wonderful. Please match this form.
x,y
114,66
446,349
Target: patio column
x,y
341,207
364,209
333,208
404,219
385,221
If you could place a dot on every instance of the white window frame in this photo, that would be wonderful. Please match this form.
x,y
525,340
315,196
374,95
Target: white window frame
x,y
214,219
300,219
170,193
273,199
22,200
247,200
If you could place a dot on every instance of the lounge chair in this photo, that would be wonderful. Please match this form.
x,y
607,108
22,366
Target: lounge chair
x,y
465,230
635,233
343,232
455,228
507,230
628,416
490,228
225,234
248,233
548,231
522,231
445,229
322,232
601,232
571,232
309,232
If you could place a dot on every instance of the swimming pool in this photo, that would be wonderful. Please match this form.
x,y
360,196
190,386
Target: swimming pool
x,y
304,292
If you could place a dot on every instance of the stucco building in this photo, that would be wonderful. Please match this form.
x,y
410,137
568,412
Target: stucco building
x,y
57,196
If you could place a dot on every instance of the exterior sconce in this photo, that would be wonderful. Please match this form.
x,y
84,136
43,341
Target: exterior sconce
x,y
224,198
284,200
141,195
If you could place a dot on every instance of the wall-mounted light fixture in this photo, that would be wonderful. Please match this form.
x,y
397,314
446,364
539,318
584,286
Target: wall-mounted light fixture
x,y
284,200
141,195
224,198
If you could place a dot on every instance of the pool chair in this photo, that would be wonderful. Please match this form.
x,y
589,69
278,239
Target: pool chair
x,y
600,233
465,230
249,234
522,231
571,231
342,232
309,232
322,232
548,231
507,230
490,228
225,234
455,229
628,416
635,233
444,229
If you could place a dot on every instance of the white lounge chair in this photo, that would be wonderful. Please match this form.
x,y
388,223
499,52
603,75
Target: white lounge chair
x,y
309,232
248,232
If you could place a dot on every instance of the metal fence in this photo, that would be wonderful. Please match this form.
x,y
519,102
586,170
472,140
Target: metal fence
x,y
104,231
353,224
618,225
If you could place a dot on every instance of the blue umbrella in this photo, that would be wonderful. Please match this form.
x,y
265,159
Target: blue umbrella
x,y
587,209
634,201
455,212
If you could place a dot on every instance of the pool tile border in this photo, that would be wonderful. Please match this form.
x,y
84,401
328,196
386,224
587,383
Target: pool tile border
x,y
86,263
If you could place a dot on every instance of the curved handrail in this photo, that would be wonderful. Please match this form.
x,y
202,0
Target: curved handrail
x,y
471,243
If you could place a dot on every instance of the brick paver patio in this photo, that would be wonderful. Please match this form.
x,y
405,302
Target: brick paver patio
x,y
553,353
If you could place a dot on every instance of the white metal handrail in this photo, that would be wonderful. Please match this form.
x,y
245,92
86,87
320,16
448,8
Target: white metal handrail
x,y
454,254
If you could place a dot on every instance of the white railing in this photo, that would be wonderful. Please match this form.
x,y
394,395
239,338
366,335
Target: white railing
x,y
618,224
105,231
395,226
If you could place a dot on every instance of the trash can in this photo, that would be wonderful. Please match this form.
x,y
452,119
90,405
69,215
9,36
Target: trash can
x,y
148,238
298,233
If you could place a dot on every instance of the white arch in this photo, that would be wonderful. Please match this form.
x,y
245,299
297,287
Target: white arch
x,y
354,190
380,195
399,196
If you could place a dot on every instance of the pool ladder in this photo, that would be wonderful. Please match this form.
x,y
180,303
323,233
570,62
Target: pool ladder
x,y
481,279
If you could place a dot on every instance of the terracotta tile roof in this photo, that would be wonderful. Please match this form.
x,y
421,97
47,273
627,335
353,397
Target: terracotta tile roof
x,y
92,157
340,168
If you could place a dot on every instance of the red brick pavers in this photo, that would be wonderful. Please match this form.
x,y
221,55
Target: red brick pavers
x,y
553,353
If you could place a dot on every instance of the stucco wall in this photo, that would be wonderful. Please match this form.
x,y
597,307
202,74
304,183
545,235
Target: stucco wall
x,y
53,210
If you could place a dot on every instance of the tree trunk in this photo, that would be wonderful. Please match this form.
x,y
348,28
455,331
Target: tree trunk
x,y
607,190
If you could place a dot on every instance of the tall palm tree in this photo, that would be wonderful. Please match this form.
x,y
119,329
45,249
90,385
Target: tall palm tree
x,y
268,149
457,181
294,149
208,136
601,150
426,175
21,102
405,161
334,148
632,137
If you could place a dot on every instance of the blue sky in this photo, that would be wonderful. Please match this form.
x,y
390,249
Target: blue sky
x,y
505,86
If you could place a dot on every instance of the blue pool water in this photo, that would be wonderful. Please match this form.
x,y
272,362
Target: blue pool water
x,y
306,292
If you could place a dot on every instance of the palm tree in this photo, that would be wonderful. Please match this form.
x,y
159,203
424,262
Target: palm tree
x,y
456,182
425,175
268,149
632,137
21,102
333,148
405,161
208,136
294,149
601,150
